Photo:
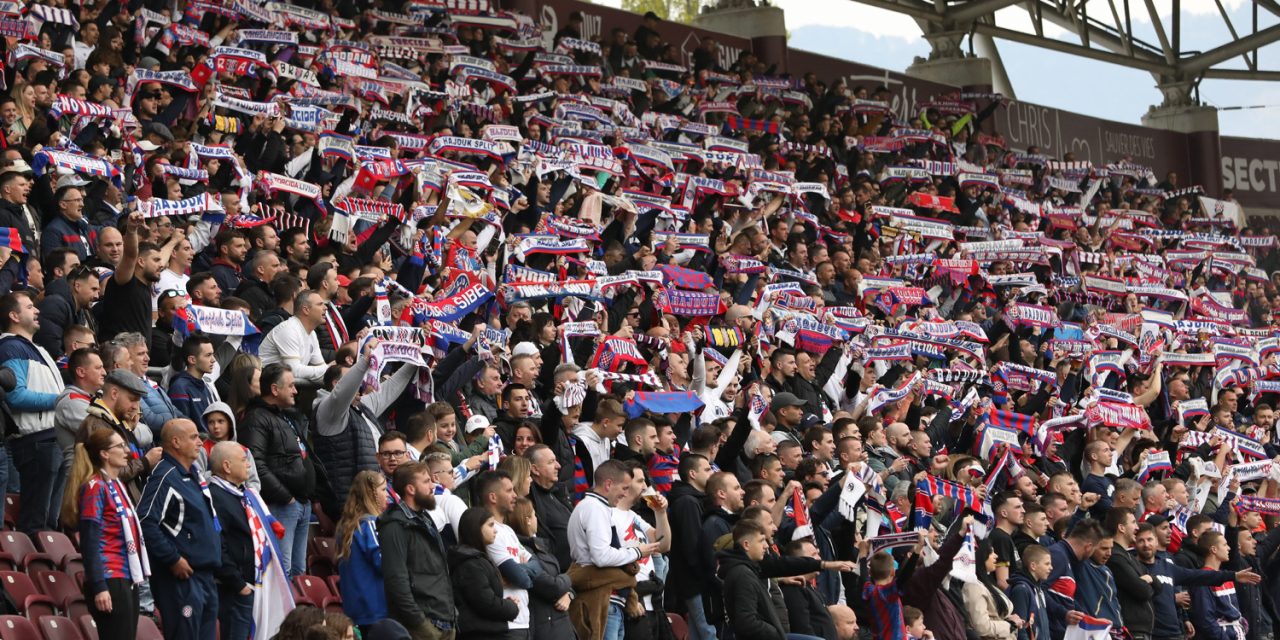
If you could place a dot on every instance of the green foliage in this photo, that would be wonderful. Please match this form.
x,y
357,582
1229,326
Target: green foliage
x,y
674,10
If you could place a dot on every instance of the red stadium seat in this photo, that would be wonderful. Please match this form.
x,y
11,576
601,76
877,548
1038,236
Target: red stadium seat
x,y
679,629
316,590
75,607
17,628
88,628
11,502
321,561
333,585
59,628
326,525
23,552
60,588
58,546
26,596
147,629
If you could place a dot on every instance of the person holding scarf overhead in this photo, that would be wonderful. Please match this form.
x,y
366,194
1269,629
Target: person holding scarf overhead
x,y
253,592
115,558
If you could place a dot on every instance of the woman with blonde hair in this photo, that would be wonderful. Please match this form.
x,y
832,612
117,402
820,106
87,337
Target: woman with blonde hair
x,y
358,554
24,97
552,590
521,473
115,557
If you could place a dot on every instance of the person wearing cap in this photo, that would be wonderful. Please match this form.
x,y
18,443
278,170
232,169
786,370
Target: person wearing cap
x,y
69,228
349,418
120,396
277,436
788,410
188,389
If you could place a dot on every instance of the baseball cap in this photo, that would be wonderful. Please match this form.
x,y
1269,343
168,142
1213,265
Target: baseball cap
x,y
71,180
786,399
477,423
524,348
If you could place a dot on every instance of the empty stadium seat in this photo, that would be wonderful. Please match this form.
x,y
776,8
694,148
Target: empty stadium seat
x,y
59,628
24,554
321,561
17,628
325,525
147,629
316,591
333,584
58,546
29,600
88,628
60,588
11,502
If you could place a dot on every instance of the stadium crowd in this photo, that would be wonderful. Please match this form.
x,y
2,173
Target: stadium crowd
x,y
408,320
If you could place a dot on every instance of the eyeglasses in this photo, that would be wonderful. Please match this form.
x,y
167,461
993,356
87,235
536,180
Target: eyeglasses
x,y
119,445
79,271
392,454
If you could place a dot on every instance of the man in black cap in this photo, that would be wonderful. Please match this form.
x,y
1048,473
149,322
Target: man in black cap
x,y
121,394
788,410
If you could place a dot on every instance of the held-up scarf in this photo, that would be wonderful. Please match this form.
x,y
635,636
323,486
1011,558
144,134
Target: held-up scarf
x,y
67,105
212,320
1264,506
1155,462
201,203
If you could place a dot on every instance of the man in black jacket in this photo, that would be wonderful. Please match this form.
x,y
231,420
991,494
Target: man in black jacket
x,y
1134,588
254,287
549,503
750,610
277,438
230,467
415,570
686,582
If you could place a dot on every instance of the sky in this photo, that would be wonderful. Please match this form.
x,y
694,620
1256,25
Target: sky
x,y
853,31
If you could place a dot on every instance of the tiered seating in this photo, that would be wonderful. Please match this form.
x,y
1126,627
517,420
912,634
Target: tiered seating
x,y
321,560
24,594
63,591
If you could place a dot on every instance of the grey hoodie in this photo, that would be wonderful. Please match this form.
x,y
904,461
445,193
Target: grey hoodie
x,y
203,462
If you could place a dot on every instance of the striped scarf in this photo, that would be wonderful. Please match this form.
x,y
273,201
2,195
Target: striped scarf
x,y
738,123
135,546
580,484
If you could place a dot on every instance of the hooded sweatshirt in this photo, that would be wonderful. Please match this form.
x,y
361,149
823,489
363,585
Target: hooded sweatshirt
x,y
206,448
1029,604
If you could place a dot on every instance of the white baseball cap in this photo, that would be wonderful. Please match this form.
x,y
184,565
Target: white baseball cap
x,y
477,423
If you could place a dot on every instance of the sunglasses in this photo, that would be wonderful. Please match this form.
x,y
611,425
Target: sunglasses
x,y
169,293
155,95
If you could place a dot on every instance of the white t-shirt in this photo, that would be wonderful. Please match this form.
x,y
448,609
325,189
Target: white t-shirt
x,y
168,280
506,546
633,531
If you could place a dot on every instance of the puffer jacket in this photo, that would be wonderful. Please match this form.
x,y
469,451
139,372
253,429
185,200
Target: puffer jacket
x,y
477,591
277,440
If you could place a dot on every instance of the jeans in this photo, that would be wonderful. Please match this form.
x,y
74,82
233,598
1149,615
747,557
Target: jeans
x,y
38,458
296,519
613,627
235,614
699,628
